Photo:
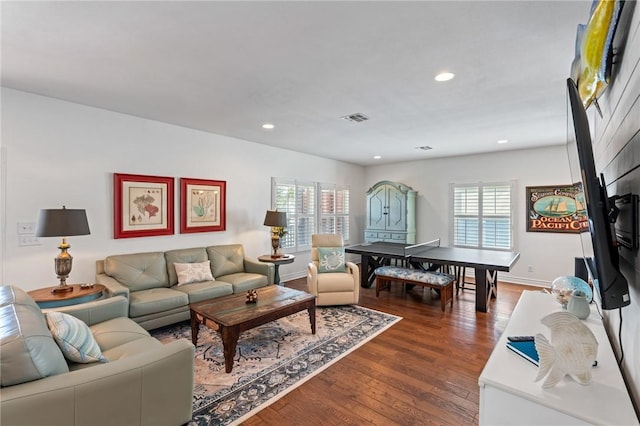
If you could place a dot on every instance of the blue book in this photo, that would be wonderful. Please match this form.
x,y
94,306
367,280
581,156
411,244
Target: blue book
x,y
526,350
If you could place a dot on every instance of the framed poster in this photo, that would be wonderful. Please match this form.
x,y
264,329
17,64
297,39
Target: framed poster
x,y
143,205
202,205
558,208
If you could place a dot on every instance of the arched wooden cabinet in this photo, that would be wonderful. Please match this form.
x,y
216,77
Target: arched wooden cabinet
x,y
391,213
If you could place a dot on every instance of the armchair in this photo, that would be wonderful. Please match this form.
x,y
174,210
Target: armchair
x,y
333,280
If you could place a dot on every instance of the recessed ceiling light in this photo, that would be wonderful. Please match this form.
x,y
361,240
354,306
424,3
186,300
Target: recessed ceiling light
x,y
268,126
377,157
501,141
444,76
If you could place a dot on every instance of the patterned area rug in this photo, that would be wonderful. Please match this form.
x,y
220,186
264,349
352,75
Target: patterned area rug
x,y
271,360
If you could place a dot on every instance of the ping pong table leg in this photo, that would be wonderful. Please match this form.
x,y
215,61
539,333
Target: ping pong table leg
x,y
481,289
486,288
367,267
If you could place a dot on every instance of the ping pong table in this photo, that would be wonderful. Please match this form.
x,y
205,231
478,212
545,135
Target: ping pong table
x,y
486,263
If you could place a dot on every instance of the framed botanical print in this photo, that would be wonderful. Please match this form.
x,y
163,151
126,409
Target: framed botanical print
x,y
143,205
202,205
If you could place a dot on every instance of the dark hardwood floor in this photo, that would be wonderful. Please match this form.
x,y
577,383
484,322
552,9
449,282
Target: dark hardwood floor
x,y
423,370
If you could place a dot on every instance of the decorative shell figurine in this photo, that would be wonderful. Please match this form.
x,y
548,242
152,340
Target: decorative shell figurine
x,y
572,350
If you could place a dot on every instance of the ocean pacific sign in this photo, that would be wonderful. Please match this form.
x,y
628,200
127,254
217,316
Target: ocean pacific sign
x,y
559,208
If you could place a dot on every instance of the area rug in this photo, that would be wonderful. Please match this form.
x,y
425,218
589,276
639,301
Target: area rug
x,y
271,360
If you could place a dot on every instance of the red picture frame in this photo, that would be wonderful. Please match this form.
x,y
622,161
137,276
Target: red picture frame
x,y
203,205
143,206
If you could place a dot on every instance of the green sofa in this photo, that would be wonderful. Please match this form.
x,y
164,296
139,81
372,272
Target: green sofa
x,y
144,381
150,283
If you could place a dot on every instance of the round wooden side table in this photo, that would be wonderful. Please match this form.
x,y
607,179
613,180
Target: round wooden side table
x,y
45,299
277,261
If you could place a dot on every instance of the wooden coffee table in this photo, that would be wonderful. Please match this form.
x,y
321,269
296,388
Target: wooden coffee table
x,y
233,315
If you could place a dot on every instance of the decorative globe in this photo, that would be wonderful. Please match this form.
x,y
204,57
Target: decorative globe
x,y
563,287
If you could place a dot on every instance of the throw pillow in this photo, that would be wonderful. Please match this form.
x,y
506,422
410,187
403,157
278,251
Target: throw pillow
x,y
193,272
331,259
74,338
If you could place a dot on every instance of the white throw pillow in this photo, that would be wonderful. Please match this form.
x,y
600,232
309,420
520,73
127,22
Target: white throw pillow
x,y
74,338
193,272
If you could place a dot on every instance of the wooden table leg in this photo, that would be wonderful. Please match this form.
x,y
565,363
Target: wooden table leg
x,y
482,291
230,337
312,316
195,326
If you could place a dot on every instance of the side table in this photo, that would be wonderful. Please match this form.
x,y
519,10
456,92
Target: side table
x,y
277,261
45,299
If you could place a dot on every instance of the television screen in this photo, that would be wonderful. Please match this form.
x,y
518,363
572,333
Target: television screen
x,y
599,245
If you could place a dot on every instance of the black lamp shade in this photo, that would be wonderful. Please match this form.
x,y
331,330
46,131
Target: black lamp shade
x,y
62,223
275,218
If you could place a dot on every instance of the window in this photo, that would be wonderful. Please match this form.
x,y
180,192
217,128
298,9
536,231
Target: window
x,y
334,210
300,200
482,215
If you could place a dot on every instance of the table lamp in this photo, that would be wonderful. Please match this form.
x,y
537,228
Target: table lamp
x,y
62,223
277,221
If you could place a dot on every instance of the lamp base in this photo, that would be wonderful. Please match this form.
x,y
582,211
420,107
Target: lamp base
x,y
61,289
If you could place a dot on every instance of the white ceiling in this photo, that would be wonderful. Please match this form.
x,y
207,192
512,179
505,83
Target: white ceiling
x,y
229,67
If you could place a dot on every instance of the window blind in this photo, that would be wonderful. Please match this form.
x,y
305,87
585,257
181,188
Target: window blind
x,y
482,216
310,206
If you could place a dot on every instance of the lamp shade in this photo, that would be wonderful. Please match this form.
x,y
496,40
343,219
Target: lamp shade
x,y
62,223
275,218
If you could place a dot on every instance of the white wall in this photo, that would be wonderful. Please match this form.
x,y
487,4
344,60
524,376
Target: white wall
x,y
549,255
63,153
59,153
616,139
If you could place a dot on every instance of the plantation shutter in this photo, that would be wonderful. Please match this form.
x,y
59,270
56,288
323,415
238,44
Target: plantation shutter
x,y
482,216
466,223
297,199
496,217
334,210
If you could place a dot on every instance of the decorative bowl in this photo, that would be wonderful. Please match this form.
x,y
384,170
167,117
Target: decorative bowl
x,y
563,287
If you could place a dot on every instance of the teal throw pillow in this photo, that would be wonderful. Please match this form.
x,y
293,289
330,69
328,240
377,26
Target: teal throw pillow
x,y
74,338
331,259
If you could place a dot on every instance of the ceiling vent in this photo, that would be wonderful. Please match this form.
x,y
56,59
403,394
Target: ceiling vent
x,y
424,147
356,118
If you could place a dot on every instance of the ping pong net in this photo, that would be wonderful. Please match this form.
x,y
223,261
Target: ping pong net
x,y
418,249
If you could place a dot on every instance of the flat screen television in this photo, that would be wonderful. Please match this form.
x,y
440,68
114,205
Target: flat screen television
x,y
599,245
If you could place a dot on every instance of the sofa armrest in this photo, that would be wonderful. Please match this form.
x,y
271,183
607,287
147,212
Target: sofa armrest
x,y
97,311
150,388
113,287
255,267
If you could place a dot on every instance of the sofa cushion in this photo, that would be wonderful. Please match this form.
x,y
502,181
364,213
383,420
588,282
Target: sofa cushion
x,y
205,290
116,332
193,272
155,300
244,281
226,259
27,347
331,259
74,338
138,271
189,255
133,347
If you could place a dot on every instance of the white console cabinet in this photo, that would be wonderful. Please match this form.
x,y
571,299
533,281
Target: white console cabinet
x,y
509,395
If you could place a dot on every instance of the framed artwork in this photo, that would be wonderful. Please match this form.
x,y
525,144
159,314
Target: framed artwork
x,y
143,205
202,205
558,208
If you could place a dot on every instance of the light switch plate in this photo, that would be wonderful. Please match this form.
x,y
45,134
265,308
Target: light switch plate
x,y
26,228
29,240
